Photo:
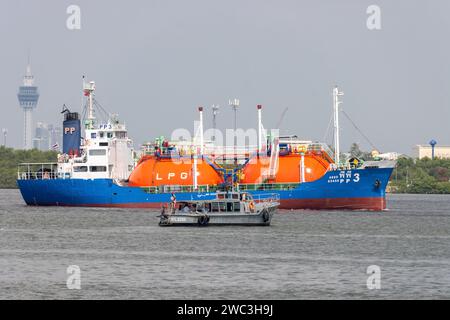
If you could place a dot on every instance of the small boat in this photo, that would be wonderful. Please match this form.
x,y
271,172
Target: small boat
x,y
228,208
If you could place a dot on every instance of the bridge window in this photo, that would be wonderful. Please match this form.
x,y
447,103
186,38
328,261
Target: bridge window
x,y
222,206
97,169
80,169
121,134
215,207
97,152
93,135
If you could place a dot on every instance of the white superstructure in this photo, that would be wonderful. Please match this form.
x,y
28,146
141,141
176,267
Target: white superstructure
x,y
106,149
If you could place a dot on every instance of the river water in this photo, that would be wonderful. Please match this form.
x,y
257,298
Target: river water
x,y
123,254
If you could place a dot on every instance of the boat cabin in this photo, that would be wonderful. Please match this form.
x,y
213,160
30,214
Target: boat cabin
x,y
224,202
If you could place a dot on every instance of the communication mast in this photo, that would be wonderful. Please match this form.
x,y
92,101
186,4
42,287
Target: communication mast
x,y
215,112
28,98
235,105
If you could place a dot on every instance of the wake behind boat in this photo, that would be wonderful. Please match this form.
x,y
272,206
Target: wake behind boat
x,y
228,208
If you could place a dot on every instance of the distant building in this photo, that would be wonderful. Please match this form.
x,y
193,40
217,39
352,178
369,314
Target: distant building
x,y
376,155
47,137
389,156
424,151
41,137
28,98
55,137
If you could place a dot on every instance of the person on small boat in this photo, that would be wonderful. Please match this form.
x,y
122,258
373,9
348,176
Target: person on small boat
x,y
163,212
185,208
173,202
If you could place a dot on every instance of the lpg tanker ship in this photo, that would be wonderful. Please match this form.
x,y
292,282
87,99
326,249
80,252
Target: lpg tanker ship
x,y
100,169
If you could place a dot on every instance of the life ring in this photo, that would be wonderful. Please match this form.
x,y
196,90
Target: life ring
x,y
266,216
251,206
203,220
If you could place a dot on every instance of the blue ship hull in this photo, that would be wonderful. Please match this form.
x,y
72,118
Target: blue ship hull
x,y
347,189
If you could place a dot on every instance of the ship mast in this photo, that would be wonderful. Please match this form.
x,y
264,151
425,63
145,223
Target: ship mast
x,y
88,89
202,143
260,129
215,111
336,104
198,134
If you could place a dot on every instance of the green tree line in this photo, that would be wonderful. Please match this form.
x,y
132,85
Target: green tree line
x,y
421,176
10,158
414,175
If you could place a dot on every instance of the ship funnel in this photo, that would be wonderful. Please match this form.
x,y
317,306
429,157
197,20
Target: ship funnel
x,y
71,133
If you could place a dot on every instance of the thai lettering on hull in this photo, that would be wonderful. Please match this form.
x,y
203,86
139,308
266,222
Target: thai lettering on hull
x,y
344,176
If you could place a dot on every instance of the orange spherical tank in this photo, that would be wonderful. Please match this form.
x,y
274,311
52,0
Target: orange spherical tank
x,y
152,171
288,169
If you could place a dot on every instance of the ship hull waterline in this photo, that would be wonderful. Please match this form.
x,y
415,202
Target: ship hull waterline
x,y
358,189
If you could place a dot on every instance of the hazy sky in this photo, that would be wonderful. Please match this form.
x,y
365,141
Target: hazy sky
x,y
154,62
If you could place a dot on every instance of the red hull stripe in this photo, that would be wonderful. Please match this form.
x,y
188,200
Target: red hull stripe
x,y
376,204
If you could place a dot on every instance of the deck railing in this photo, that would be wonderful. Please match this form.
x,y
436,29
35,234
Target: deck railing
x,y
266,197
268,186
180,188
214,188
37,171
